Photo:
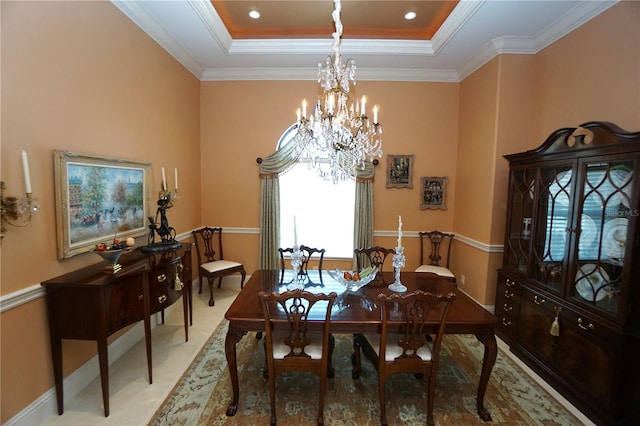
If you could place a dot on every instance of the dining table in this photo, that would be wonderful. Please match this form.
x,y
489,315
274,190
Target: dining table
x,y
356,312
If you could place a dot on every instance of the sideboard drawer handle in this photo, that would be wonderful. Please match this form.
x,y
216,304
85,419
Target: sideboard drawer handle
x,y
140,296
508,308
506,323
510,283
508,295
538,302
162,278
588,327
162,299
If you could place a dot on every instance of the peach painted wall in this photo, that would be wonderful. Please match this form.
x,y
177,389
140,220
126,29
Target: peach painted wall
x,y
592,74
418,118
79,76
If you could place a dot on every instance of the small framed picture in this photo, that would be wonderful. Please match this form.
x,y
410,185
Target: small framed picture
x,y
399,171
434,192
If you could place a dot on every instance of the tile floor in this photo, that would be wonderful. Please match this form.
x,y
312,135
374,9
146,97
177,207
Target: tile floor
x,y
133,401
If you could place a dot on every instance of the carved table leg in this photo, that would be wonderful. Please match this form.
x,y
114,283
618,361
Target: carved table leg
x,y
490,355
233,337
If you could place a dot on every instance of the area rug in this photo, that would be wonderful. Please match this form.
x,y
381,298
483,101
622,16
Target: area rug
x,y
203,393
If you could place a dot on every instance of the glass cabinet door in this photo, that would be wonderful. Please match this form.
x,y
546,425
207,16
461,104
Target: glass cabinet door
x,y
552,223
601,233
517,252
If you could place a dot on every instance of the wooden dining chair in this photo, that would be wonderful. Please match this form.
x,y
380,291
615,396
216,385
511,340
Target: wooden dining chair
x,y
211,261
432,244
402,346
290,344
307,254
374,256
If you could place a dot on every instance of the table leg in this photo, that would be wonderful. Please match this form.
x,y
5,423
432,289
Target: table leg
x,y
103,360
233,337
490,355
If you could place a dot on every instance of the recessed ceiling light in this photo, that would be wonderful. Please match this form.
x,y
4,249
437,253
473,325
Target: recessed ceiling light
x,y
254,14
409,15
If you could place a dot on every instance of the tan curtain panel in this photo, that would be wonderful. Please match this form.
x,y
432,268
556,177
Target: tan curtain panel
x,y
270,168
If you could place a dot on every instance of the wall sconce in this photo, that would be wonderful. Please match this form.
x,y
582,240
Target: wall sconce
x,y
17,212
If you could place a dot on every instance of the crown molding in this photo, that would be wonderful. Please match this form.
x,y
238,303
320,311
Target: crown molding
x,y
311,74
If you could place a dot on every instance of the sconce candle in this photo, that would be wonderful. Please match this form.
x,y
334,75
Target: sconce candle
x,y
25,168
164,181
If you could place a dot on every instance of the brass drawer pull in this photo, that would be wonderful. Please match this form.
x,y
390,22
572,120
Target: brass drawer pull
x,y
506,323
508,295
510,283
588,327
162,299
162,278
508,308
538,302
140,296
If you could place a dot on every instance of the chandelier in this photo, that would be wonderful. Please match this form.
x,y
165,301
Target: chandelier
x,y
337,138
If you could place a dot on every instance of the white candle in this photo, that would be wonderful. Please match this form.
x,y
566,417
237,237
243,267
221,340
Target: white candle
x,y
175,172
362,111
399,231
25,169
164,181
298,114
295,232
375,114
304,107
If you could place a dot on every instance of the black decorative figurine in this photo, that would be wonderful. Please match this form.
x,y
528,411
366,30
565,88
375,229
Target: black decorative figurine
x,y
166,233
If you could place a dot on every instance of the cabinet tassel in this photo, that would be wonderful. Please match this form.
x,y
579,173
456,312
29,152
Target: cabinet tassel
x,y
178,283
555,327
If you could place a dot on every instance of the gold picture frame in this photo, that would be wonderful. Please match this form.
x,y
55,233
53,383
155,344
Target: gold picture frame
x,y
400,171
98,199
433,193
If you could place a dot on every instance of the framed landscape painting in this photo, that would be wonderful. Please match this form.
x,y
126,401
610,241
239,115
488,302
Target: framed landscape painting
x,y
98,199
399,171
433,194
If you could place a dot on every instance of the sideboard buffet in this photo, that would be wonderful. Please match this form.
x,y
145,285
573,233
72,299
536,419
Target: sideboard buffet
x,y
568,292
89,304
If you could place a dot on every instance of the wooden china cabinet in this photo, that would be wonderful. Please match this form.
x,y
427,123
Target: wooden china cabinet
x,y
568,293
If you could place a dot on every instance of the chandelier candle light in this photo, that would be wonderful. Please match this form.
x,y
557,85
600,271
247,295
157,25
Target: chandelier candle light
x,y
337,138
398,262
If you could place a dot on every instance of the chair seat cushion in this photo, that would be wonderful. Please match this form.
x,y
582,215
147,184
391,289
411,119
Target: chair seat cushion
x,y
438,270
219,265
393,350
280,349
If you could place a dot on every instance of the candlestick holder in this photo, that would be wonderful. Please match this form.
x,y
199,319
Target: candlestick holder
x,y
296,262
398,263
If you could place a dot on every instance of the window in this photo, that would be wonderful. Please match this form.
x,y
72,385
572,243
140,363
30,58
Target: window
x,y
323,211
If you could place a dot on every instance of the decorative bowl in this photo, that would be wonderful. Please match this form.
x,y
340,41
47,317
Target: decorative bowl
x,y
111,257
353,285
